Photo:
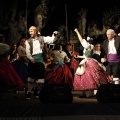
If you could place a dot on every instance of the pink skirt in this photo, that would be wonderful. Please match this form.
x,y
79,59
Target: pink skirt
x,y
92,78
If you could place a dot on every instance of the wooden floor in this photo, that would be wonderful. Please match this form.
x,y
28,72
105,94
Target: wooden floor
x,y
19,108
20,96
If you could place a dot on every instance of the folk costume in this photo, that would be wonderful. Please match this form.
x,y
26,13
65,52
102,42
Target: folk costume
x,y
58,72
36,67
111,50
9,79
90,73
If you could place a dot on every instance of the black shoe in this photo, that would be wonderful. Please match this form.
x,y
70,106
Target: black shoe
x,y
36,93
91,96
14,94
82,96
26,90
28,95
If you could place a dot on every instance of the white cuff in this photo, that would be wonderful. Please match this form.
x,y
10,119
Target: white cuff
x,y
30,79
115,79
40,81
117,82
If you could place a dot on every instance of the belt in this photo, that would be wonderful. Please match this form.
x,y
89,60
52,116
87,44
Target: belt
x,y
37,54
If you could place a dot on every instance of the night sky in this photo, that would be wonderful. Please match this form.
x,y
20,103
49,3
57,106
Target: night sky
x,y
58,17
95,11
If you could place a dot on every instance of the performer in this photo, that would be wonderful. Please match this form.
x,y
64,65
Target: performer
x,y
36,67
71,53
89,74
111,50
9,79
47,54
58,72
22,50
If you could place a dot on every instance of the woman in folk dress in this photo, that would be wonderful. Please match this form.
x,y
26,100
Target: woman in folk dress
x,y
90,73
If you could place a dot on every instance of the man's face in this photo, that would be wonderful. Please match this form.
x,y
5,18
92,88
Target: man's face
x,y
97,47
110,36
32,32
69,47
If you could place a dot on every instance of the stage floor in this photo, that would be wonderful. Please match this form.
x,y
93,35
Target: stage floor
x,y
21,108
7,98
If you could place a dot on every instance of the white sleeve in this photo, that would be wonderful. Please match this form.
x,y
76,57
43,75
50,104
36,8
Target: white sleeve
x,y
85,44
48,39
29,56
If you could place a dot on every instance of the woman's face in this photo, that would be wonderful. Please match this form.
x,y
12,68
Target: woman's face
x,y
22,42
14,46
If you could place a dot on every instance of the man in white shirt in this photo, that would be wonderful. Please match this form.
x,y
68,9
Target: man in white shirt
x,y
111,50
36,68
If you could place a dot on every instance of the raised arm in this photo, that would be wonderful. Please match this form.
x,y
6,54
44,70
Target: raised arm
x,y
78,34
51,39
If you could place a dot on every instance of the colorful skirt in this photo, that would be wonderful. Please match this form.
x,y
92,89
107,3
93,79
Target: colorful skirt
x,y
94,75
58,74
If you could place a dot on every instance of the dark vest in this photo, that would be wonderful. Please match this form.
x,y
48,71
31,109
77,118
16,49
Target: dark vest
x,y
30,41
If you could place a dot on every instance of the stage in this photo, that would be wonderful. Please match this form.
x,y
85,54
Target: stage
x,y
19,108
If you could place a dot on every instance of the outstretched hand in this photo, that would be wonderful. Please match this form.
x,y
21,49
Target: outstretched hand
x,y
76,30
55,32
78,34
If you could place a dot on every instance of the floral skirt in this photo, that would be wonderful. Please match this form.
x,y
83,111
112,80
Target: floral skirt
x,y
93,76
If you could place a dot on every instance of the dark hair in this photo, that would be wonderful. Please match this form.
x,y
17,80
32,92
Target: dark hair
x,y
91,41
20,40
2,38
57,47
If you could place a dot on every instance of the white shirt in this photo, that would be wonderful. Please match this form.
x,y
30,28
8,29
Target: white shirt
x,y
86,45
60,56
96,52
36,46
112,49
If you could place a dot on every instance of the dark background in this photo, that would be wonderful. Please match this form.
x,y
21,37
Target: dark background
x,y
58,16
